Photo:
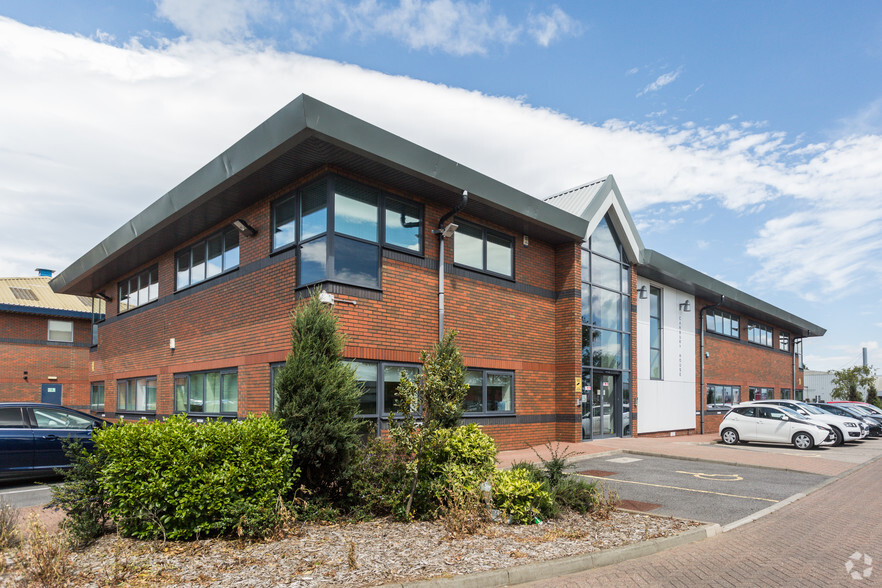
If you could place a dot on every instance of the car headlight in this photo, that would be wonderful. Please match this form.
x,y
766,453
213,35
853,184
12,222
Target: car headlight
x,y
851,425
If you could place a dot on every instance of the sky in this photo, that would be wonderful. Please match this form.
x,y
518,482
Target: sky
x,y
746,137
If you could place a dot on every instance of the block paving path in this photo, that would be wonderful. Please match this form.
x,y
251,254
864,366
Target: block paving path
x,y
807,543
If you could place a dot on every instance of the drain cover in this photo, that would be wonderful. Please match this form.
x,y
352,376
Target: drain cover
x,y
597,473
637,505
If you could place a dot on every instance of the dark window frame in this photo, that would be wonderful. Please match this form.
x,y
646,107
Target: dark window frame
x,y
660,332
734,330
128,382
784,341
202,245
760,334
151,288
331,236
752,390
485,232
189,396
93,405
485,376
712,389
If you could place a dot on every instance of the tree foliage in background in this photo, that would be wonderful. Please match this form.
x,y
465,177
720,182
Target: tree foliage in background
x,y
872,394
318,400
847,383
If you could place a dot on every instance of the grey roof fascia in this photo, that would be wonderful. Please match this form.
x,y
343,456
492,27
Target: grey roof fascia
x,y
345,130
302,118
610,185
663,269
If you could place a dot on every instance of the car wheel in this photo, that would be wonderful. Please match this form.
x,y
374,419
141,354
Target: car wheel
x,y
803,441
729,436
839,439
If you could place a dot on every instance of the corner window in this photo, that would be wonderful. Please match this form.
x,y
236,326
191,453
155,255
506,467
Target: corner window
x,y
784,342
757,393
722,397
759,334
480,248
207,259
139,289
489,392
96,397
655,333
61,331
215,392
136,395
723,323
340,227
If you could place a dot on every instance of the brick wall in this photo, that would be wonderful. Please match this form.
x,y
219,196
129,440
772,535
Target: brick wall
x,y
241,320
24,348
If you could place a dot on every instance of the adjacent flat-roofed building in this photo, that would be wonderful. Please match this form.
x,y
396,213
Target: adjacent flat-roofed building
x,y
545,295
44,343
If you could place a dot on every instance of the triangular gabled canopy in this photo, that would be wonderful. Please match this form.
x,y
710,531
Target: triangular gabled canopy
x,y
597,199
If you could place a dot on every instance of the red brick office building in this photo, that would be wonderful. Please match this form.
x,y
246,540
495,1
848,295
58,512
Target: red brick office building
x,y
544,295
44,343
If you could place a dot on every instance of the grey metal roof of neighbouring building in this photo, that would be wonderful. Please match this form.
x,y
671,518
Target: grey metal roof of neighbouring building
x,y
665,270
302,137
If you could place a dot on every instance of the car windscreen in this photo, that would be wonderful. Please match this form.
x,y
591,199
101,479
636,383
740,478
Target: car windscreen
x,y
812,409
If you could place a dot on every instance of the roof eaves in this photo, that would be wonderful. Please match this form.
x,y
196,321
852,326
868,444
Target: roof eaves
x,y
663,269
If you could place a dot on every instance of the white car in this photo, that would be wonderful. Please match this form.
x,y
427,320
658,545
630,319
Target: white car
x,y
845,429
772,424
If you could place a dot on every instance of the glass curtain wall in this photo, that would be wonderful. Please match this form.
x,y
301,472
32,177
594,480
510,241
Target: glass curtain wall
x,y
606,336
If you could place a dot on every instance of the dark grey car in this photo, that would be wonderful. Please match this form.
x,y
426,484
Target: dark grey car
x,y
32,435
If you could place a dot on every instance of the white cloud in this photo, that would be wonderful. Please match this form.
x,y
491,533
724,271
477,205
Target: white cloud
x,y
457,27
92,133
548,27
660,82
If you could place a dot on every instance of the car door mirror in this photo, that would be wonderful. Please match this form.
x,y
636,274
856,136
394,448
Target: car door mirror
x,y
785,418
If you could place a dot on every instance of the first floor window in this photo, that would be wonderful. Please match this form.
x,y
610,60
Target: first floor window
x,y
759,334
489,392
655,333
722,397
757,393
215,392
483,249
722,322
136,395
96,397
61,331
139,289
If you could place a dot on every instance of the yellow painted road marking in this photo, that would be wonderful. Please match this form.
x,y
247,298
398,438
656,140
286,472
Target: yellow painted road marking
x,y
717,477
678,488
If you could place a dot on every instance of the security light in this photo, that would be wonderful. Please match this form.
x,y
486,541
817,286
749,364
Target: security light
x,y
244,227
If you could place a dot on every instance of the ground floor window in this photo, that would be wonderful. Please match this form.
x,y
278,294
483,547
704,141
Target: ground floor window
x,y
136,395
758,393
785,394
96,397
798,395
722,397
489,392
214,392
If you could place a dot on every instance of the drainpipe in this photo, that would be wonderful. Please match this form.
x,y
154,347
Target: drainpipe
x,y
702,391
445,231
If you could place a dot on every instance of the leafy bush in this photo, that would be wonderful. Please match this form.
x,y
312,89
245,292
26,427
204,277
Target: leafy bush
x,y
318,400
464,456
378,482
519,496
177,480
82,497
537,474
577,494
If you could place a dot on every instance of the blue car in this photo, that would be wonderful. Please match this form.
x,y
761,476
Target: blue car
x,y
31,436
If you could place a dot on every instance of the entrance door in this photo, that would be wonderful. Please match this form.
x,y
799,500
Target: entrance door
x,y
50,393
601,406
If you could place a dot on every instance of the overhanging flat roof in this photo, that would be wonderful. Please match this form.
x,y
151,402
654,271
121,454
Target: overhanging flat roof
x,y
663,269
301,137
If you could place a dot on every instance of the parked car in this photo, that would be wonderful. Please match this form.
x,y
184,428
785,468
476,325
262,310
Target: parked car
x,y
872,420
772,424
32,435
845,429
865,405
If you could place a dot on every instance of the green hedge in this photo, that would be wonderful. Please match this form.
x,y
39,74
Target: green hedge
x,y
177,480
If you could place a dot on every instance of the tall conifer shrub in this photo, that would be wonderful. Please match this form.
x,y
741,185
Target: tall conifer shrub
x,y
318,400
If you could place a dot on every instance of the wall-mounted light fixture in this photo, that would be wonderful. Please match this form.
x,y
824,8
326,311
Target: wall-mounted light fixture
x,y
103,296
171,343
641,292
26,375
244,227
684,306
447,231
52,378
